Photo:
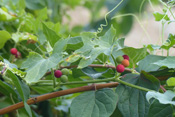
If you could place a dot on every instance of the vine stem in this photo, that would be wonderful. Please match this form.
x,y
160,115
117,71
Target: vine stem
x,y
141,25
162,87
57,94
114,60
163,24
103,25
49,82
133,86
92,65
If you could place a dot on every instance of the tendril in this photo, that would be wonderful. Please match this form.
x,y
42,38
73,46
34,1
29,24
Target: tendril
x,y
100,29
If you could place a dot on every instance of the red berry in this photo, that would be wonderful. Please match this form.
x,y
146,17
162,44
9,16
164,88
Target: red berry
x,y
58,73
125,63
120,68
18,55
14,51
126,57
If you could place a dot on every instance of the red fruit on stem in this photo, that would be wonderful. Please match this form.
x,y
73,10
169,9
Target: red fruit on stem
x,y
58,73
14,51
120,68
126,57
125,63
18,55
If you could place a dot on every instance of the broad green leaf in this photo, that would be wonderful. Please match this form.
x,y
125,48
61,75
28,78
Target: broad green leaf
x,y
10,65
169,42
73,58
163,74
42,90
91,72
18,72
45,108
135,55
152,48
42,14
8,91
95,46
149,81
72,3
166,98
99,103
17,37
4,36
158,16
74,43
35,4
132,102
5,16
37,66
160,110
51,35
41,37
1,59
168,62
22,89
171,81
116,113
146,63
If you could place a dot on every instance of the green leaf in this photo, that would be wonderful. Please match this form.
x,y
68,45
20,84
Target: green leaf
x,y
169,42
10,65
99,103
91,72
95,46
160,110
4,36
51,35
18,37
152,48
149,81
116,113
42,14
42,90
22,89
35,5
19,72
171,81
37,66
146,63
8,91
132,102
168,62
74,43
166,98
158,16
135,55
163,74
72,3
4,15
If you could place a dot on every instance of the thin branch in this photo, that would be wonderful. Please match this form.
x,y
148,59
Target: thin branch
x,y
93,65
57,94
162,87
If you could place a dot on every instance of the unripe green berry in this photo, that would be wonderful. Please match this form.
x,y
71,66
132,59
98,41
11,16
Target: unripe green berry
x,y
119,59
64,78
65,71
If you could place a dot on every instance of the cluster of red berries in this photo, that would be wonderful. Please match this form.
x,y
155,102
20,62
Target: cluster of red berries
x,y
15,52
123,62
62,74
